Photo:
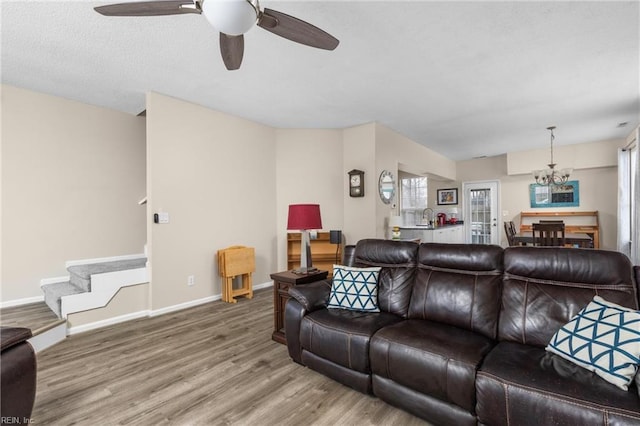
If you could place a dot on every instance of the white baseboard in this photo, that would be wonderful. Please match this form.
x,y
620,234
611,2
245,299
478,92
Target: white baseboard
x,y
49,338
107,322
192,303
152,313
20,302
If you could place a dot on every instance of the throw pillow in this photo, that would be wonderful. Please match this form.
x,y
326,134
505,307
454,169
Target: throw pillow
x,y
603,338
355,289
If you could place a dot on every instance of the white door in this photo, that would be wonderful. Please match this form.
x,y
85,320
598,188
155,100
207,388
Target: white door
x,y
480,207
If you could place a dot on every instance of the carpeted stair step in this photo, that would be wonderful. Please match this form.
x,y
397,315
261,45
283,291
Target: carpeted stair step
x,y
80,275
54,292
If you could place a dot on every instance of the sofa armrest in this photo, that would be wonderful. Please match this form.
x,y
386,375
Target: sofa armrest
x,y
312,296
11,336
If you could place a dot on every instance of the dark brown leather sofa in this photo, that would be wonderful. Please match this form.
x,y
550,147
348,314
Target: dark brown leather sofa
x,y
461,336
17,376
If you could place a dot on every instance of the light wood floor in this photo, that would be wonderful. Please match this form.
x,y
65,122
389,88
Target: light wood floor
x,y
213,364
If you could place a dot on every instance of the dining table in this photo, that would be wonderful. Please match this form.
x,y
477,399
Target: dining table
x,y
580,240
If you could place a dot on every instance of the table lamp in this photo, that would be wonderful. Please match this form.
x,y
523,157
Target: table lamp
x,y
395,222
303,217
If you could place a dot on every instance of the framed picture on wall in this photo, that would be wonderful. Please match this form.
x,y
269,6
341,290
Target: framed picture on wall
x,y
565,195
447,196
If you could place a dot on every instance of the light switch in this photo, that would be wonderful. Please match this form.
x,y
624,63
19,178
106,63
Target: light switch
x,y
163,217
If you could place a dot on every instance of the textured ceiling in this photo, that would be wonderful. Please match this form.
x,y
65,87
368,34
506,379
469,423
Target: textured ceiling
x,y
466,79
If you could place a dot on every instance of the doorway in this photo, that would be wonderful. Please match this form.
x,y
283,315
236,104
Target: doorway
x,y
480,208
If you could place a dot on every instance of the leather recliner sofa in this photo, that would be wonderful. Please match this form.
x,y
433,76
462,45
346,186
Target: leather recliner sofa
x,y
18,375
462,331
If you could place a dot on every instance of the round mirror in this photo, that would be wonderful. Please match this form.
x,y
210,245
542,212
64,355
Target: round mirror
x,y
387,187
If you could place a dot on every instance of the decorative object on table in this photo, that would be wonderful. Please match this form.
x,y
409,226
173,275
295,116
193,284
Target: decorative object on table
x,y
565,195
303,217
551,176
232,262
356,183
453,215
232,18
447,196
395,222
335,237
387,187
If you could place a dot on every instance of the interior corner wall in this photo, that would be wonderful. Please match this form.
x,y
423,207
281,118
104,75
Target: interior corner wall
x,y
393,149
359,152
309,169
214,174
72,176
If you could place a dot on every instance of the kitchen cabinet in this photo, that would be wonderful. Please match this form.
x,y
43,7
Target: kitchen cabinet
x,y
452,234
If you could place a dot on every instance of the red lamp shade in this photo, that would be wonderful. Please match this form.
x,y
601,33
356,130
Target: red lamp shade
x,y
304,216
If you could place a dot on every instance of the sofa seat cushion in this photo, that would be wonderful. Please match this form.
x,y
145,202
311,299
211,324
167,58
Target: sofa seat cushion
x,y
525,385
435,359
343,336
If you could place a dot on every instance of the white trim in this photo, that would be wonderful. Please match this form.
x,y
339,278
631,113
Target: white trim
x,y
151,313
107,322
104,259
103,287
49,338
197,302
54,280
20,302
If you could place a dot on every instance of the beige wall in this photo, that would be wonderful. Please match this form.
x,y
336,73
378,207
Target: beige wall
x,y
215,174
308,170
223,180
396,152
72,176
598,184
359,153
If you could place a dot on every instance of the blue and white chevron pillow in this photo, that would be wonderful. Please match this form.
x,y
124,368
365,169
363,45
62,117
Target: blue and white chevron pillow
x,y
355,289
603,338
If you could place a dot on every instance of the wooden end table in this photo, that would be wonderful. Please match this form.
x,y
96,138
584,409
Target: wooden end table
x,y
282,281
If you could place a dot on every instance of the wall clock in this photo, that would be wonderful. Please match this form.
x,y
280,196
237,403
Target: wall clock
x,y
356,183
387,186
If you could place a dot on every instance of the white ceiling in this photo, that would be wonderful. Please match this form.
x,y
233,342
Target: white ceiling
x,y
466,79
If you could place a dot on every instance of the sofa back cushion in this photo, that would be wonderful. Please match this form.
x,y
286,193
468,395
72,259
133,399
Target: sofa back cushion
x,y
397,260
459,284
544,287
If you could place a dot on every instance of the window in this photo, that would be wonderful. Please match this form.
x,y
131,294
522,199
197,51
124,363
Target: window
x,y
413,198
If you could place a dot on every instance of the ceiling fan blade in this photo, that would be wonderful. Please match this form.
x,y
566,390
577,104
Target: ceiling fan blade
x,y
232,49
149,8
296,30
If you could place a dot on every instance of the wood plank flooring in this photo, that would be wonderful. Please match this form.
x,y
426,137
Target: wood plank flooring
x,y
36,316
214,364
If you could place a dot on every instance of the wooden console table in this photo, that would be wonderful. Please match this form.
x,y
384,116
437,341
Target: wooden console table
x,y
591,225
282,281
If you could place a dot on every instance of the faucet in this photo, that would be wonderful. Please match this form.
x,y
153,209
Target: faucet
x,y
429,213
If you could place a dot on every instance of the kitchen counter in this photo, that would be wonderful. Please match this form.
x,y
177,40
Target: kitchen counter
x,y
432,228
441,234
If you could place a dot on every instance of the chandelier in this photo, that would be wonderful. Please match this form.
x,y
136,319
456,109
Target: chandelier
x,y
551,176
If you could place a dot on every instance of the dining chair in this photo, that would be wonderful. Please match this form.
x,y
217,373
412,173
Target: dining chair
x,y
510,231
548,234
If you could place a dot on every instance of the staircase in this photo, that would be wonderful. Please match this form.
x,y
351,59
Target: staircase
x,y
93,284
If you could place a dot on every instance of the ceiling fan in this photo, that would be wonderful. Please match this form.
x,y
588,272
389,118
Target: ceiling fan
x,y
232,18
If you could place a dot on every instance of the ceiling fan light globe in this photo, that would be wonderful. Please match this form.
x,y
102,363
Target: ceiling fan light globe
x,y
231,17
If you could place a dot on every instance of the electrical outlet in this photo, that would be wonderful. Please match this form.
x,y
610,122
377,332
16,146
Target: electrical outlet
x,y
191,280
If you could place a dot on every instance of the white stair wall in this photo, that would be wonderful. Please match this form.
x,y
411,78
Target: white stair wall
x,y
103,287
